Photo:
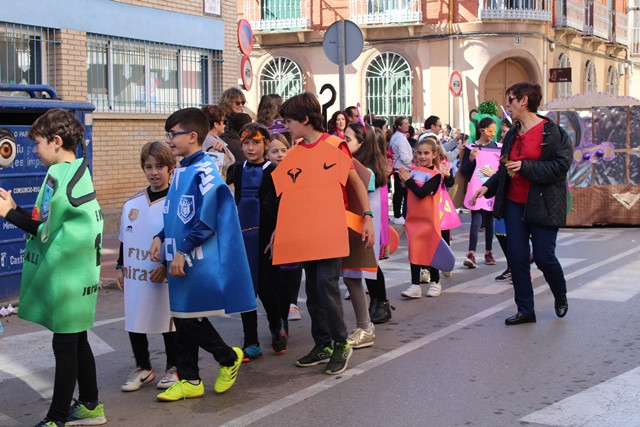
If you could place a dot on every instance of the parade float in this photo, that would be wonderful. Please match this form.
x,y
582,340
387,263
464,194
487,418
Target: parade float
x,y
604,177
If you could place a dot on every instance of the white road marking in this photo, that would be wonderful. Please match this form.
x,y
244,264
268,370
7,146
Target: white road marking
x,y
26,356
614,403
616,285
301,395
487,285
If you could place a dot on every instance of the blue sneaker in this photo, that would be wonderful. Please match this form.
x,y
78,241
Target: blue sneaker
x,y
251,352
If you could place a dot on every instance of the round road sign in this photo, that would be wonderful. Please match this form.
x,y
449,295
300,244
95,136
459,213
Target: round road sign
x,y
353,42
455,83
245,36
246,72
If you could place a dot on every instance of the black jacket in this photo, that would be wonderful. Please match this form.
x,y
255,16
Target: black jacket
x,y
547,198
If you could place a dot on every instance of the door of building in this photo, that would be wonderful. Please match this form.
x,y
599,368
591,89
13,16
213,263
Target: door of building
x,y
502,75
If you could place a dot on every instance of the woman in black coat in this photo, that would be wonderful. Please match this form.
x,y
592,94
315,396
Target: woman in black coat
x,y
530,188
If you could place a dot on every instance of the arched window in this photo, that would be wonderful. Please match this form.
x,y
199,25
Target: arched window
x,y
563,89
613,81
590,78
388,81
281,76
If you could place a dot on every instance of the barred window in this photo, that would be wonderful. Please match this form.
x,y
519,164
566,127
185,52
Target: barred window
x,y
590,78
281,76
132,76
613,81
388,82
27,55
564,88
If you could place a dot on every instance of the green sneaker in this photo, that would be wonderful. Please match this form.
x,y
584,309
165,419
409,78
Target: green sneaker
x,y
342,351
80,415
227,375
319,354
48,422
182,389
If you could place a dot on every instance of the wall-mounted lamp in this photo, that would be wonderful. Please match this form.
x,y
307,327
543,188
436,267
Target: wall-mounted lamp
x,y
552,46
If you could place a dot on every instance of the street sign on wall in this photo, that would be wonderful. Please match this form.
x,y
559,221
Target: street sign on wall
x,y
246,71
245,36
455,83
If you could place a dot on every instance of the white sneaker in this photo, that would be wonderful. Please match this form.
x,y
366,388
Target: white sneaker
x,y
425,276
412,291
359,338
137,379
435,289
169,378
398,221
294,313
347,295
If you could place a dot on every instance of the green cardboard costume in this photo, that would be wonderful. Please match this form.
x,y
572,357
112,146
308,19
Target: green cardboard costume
x,y
61,268
486,109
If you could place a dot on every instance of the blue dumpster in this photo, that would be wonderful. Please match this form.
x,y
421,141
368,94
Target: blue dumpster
x,y
21,170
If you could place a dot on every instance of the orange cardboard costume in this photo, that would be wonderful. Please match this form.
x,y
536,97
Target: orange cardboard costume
x,y
361,262
423,220
311,224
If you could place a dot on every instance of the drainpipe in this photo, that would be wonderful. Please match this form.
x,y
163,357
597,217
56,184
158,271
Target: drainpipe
x,y
451,99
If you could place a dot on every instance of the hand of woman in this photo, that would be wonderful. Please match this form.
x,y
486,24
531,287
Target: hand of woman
x,y
473,154
479,193
218,146
514,166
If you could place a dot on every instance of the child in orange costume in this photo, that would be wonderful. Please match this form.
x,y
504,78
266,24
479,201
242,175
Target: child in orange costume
x,y
423,219
312,179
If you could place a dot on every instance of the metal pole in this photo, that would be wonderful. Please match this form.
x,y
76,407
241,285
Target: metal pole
x,y
341,61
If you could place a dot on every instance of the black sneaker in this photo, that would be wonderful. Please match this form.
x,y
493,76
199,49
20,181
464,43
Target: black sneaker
x,y
319,354
342,351
506,275
279,341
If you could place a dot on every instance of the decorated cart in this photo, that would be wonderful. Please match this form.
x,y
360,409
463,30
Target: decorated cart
x,y
605,173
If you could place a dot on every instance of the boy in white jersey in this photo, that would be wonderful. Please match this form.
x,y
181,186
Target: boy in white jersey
x,y
146,292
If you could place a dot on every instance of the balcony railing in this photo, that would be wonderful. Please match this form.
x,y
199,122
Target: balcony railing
x,y
533,10
618,30
368,12
596,20
274,15
570,14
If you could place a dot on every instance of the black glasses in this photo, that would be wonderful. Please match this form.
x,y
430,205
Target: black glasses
x,y
239,103
172,134
511,98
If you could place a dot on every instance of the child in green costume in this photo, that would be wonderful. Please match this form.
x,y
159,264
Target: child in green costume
x,y
60,275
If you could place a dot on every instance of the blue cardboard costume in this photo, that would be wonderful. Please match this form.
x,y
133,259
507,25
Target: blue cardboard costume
x,y
218,280
249,214
59,287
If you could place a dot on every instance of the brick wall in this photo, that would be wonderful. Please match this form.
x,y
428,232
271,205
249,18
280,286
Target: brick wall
x,y
72,66
231,55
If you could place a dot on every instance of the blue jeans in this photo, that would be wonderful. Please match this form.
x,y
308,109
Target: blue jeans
x,y
324,302
544,252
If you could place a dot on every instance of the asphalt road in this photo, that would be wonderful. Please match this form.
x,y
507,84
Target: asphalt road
x,y
446,361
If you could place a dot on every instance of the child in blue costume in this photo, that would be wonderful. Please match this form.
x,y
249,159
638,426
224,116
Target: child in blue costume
x,y
257,208
208,272
60,277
